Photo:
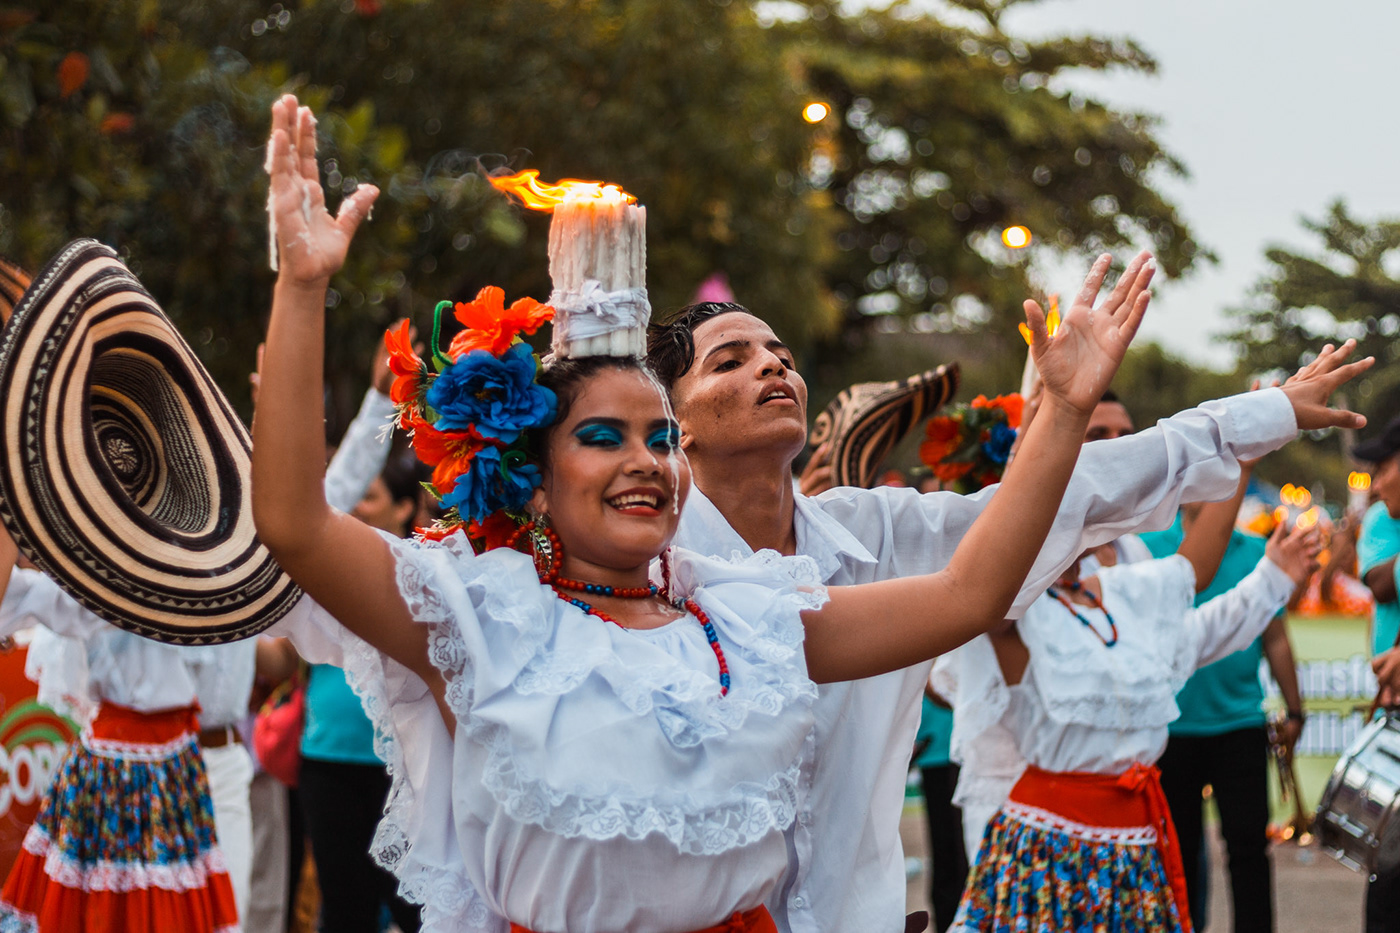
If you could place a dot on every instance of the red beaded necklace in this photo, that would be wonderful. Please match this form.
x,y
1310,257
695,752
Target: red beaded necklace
x,y
1098,604
547,565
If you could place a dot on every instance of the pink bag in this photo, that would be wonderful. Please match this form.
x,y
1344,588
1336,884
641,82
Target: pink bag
x,y
277,729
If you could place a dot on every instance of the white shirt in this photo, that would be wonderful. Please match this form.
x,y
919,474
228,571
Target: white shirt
x,y
1083,706
595,780
845,860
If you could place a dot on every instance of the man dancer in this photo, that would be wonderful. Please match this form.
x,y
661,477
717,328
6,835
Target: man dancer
x,y
742,411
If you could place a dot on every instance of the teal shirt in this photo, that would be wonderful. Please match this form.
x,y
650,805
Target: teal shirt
x,y
1379,542
337,728
1227,695
935,725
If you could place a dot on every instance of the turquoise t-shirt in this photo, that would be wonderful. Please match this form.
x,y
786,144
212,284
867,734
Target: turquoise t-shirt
x,y
1379,542
337,728
1226,695
935,725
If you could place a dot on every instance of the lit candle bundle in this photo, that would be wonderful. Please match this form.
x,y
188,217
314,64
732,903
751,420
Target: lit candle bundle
x,y
597,263
1030,376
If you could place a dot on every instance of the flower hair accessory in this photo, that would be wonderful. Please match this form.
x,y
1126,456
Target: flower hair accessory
x,y
469,412
967,449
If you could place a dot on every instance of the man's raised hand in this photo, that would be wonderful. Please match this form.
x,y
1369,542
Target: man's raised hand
x,y
311,244
1310,388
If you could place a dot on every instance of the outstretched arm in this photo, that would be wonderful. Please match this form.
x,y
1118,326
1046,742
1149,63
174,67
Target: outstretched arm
x,y
1206,541
341,563
885,626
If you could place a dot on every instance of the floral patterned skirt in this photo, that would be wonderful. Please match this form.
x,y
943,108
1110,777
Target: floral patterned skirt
x,y
1041,870
124,840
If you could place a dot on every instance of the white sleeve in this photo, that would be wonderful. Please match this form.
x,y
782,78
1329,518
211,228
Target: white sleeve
x,y
1130,484
1232,620
32,598
361,454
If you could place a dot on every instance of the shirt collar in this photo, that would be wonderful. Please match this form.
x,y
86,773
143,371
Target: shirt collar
x,y
704,528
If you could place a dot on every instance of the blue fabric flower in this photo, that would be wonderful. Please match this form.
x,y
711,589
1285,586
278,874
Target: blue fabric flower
x,y
488,487
997,447
498,397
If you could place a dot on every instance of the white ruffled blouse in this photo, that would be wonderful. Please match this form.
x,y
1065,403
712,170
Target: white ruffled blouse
x,y
596,781
1081,706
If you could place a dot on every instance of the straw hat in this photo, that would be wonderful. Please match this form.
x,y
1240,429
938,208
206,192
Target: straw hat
x,y
865,422
124,473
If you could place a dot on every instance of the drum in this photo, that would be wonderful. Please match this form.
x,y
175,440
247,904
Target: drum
x,y
1357,820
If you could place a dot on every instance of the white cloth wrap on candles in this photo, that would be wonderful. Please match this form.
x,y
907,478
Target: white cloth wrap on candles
x,y
592,312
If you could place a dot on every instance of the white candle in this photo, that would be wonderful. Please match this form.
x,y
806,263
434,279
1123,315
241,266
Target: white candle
x,y
597,255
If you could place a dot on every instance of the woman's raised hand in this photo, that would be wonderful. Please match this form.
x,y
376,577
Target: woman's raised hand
x,y
311,244
1079,362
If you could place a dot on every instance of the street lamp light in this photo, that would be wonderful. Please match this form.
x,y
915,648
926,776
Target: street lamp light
x,y
1017,237
815,112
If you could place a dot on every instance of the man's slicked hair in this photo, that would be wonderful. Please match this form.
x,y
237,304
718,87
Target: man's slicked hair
x,y
671,346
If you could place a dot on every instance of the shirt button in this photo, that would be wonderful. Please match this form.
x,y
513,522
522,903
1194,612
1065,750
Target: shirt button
x,y
799,902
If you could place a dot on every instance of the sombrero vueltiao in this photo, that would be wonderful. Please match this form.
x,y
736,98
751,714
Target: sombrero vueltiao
x,y
865,422
124,473
13,282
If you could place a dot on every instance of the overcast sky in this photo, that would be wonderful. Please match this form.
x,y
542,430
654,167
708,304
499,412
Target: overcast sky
x,y
1276,107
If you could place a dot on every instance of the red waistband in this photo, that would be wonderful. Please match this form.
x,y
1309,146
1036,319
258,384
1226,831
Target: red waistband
x,y
1133,798
757,920
115,723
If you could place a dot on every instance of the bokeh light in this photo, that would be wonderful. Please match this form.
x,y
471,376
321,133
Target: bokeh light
x,y
815,112
1017,237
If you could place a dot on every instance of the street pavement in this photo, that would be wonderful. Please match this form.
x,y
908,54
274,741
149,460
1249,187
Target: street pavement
x,y
1312,893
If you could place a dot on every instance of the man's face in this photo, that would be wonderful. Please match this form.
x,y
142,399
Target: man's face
x,y
1386,484
741,393
1109,420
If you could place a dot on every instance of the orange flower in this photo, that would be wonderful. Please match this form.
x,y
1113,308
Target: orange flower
x,y
407,366
449,453
494,531
951,472
1011,404
943,436
116,123
437,531
493,327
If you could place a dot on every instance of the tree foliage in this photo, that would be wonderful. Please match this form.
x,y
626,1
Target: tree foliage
x,y
141,122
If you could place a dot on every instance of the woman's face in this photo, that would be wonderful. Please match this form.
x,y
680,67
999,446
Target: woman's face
x,y
378,509
615,478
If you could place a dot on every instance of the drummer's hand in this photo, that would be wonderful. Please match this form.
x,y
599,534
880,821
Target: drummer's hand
x,y
1295,551
1387,668
1288,732
311,244
1078,363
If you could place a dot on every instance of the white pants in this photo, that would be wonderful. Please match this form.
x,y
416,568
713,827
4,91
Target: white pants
x,y
267,912
230,774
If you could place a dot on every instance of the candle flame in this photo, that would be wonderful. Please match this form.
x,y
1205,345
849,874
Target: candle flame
x,y
1280,515
1295,495
1307,519
1359,481
537,195
1052,321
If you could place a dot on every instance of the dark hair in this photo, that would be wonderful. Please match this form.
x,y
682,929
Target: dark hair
x,y
671,346
1110,396
404,475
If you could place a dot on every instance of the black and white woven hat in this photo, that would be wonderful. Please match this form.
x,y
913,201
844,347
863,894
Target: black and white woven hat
x,y
124,472
867,420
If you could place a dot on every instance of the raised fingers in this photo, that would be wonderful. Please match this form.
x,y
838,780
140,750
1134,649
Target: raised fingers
x,y
1127,287
1093,281
306,144
1035,318
1128,327
355,208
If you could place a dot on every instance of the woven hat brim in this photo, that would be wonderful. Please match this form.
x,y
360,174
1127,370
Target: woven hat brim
x,y
866,421
124,472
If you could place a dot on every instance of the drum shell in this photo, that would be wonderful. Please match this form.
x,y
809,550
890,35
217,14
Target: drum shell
x,y
1356,817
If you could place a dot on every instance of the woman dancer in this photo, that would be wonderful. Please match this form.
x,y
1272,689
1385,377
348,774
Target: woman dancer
x,y
622,755
1084,686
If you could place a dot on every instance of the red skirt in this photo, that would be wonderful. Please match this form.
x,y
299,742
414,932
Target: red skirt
x,y
124,841
757,920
